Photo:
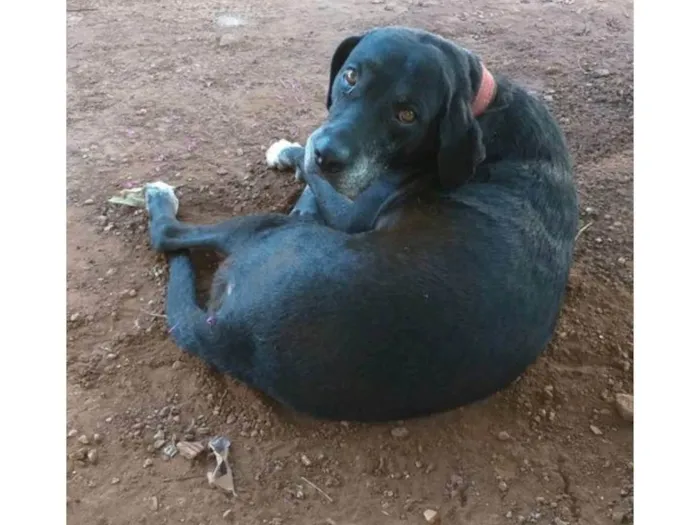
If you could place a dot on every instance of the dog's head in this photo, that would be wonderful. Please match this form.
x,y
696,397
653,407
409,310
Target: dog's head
x,y
398,100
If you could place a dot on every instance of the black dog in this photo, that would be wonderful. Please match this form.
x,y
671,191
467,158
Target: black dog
x,y
425,264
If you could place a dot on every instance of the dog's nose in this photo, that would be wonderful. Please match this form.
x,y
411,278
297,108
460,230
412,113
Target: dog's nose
x,y
330,156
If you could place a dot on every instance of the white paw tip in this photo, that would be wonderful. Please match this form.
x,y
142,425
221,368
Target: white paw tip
x,y
167,189
272,156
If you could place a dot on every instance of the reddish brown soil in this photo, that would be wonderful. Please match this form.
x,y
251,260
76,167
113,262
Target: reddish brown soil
x,y
153,95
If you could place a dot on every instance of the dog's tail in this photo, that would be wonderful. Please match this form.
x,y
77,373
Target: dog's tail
x,y
188,323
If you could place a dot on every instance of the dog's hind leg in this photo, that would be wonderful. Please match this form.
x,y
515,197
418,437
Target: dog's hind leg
x,y
217,340
209,334
169,234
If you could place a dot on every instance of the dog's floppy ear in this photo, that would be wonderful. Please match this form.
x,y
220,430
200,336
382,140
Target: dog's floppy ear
x,y
461,147
339,57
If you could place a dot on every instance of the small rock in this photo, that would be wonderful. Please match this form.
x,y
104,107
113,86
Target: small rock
x,y
431,516
230,419
170,451
116,481
591,211
596,430
83,440
549,390
89,201
228,514
159,435
72,433
132,293
97,438
625,406
305,460
153,503
503,435
509,514
619,516
177,365
548,98
111,272
222,171
148,463
601,72
399,432
111,356
92,456
503,486
78,455
74,317
559,521
158,444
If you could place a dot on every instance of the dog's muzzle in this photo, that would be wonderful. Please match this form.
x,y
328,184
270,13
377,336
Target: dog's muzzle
x,y
332,159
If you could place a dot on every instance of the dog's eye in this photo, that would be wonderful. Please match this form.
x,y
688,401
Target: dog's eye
x,y
350,77
407,116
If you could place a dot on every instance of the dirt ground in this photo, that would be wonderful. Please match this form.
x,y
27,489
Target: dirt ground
x,y
157,91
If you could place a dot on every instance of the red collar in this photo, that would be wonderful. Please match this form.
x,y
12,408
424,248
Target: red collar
x,y
486,93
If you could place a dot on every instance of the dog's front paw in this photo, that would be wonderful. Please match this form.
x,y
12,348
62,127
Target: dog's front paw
x,y
161,199
275,156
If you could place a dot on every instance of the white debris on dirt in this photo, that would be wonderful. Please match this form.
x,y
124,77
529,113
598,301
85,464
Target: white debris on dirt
x,y
228,20
431,516
625,406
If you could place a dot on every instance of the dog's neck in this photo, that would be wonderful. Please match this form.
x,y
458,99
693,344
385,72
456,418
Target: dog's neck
x,y
486,93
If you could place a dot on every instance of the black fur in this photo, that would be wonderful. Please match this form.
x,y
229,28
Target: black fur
x,y
435,287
